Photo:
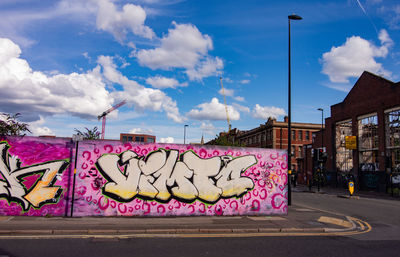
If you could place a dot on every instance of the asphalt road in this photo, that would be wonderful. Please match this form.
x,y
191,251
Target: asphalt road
x,y
382,215
271,246
383,240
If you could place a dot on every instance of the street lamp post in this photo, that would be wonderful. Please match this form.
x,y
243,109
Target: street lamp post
x,y
322,145
322,126
290,17
184,133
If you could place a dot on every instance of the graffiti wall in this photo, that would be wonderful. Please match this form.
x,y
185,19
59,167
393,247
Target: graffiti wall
x,y
178,180
34,176
37,178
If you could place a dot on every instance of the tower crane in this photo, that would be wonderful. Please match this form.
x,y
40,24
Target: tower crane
x,y
104,114
226,106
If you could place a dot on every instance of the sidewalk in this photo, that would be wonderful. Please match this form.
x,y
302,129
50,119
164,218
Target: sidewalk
x,y
342,192
299,221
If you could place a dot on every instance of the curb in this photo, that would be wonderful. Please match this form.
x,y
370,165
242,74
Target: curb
x,y
89,232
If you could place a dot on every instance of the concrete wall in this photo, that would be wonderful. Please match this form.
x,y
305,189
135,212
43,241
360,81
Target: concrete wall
x,y
35,176
114,179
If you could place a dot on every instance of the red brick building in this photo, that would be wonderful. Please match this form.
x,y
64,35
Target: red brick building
x,y
274,134
371,113
143,138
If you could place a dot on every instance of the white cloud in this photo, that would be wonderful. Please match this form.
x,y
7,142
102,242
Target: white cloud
x,y
141,131
227,92
183,47
241,107
345,87
239,98
163,82
206,68
138,95
208,128
245,81
38,130
264,112
230,93
213,110
119,22
355,56
33,92
167,140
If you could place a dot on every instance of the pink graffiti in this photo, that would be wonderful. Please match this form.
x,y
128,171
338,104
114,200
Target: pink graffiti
x,y
162,208
99,203
277,203
255,205
87,154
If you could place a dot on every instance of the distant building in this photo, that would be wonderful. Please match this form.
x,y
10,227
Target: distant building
x,y
142,138
274,134
371,113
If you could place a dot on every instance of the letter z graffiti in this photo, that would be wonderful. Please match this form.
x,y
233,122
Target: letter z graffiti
x,y
41,192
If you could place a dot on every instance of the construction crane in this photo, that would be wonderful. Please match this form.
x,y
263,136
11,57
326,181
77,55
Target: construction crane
x,y
104,114
226,106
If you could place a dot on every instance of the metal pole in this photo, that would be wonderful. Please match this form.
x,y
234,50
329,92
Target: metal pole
x,y
290,17
73,183
289,127
322,127
184,133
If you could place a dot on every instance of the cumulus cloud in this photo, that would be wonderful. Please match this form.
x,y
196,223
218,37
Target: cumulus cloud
x,y
227,92
239,98
167,140
33,92
208,67
213,110
230,93
119,22
183,47
355,56
141,131
208,128
241,107
264,112
38,129
138,95
163,82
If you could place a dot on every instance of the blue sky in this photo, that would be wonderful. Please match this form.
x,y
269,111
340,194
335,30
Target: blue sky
x,y
64,62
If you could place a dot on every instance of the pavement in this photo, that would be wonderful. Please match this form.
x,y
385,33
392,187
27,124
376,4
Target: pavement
x,y
300,221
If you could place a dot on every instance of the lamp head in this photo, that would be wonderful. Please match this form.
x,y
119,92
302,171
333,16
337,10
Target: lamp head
x,y
320,109
294,17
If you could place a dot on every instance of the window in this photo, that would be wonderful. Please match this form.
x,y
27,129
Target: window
x,y
293,135
293,153
124,138
392,131
137,139
307,135
368,142
150,140
130,139
300,149
344,157
300,135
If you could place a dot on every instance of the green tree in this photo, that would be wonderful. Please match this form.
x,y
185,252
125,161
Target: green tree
x,y
89,134
225,140
10,126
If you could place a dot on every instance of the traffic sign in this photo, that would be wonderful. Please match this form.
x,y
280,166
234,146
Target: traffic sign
x,y
351,142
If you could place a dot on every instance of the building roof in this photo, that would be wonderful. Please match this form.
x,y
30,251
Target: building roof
x,y
369,92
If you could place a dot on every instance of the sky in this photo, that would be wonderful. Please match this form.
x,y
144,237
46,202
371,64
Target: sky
x,y
64,62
